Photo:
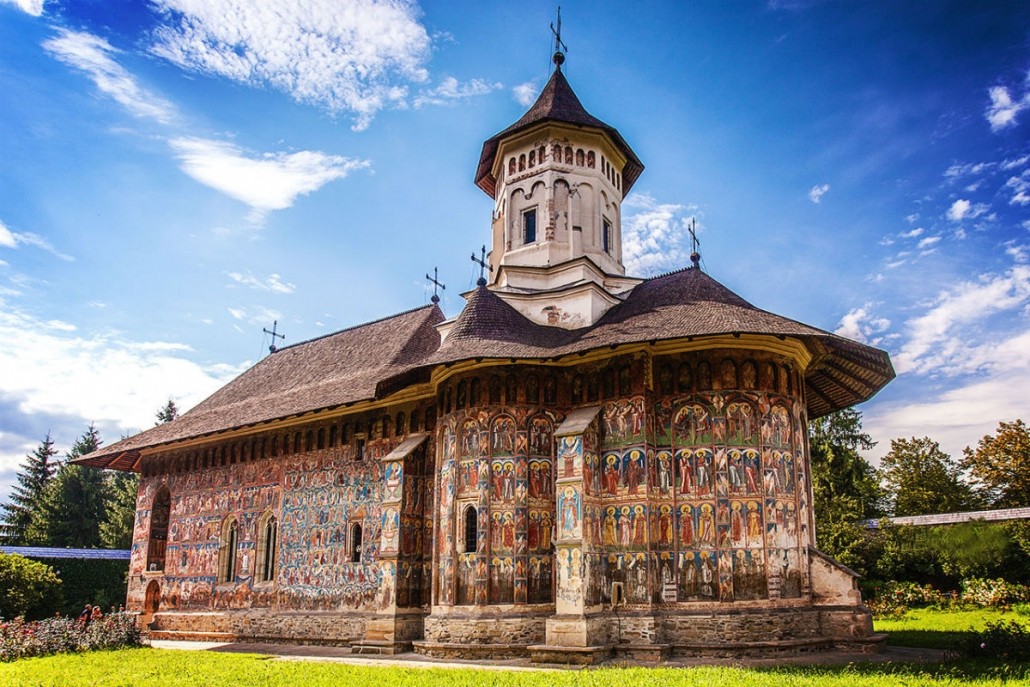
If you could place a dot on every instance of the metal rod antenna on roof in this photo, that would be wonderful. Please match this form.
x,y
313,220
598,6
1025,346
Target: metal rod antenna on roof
x,y
275,324
436,283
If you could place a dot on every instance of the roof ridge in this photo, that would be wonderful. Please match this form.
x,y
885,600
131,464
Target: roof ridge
x,y
356,326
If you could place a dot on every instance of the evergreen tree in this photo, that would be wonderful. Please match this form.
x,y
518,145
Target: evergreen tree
x,y
1000,465
116,530
74,502
168,413
919,478
845,486
36,472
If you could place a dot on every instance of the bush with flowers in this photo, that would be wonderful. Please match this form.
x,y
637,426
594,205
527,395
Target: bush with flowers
x,y
20,638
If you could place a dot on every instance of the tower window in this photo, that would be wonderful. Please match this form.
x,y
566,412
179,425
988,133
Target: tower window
x,y
529,226
470,529
359,450
606,236
227,551
268,534
355,544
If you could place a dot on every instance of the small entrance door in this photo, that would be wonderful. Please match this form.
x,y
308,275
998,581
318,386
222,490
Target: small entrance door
x,y
151,603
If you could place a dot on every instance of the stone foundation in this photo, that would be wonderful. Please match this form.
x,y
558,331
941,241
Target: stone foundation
x,y
334,629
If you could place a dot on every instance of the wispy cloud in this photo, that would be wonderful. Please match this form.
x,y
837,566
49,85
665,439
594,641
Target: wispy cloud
x,y
272,283
940,340
963,209
356,57
268,182
450,91
1019,185
816,193
12,239
93,56
653,235
861,324
255,315
33,7
918,231
1003,110
525,93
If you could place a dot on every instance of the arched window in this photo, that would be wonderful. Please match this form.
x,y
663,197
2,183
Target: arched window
x,y
511,166
413,422
321,438
568,155
591,159
522,162
577,389
532,158
332,436
267,547
469,530
556,152
227,550
543,154
580,157
309,440
462,394
355,543
159,513
398,425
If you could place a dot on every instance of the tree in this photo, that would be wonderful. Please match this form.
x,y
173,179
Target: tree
x,y
845,487
1000,465
116,529
168,413
36,472
919,478
74,502
27,588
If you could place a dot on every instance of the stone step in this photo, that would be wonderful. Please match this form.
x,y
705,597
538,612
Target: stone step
x,y
192,636
372,647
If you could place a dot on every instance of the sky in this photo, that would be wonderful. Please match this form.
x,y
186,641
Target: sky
x,y
176,175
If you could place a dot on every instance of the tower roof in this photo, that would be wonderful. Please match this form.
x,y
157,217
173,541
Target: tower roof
x,y
556,103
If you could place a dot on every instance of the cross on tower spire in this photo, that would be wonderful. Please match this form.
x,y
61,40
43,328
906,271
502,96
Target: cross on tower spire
x,y
483,265
275,324
695,257
436,284
559,46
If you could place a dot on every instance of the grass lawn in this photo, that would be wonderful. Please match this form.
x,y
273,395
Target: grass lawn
x,y
925,627
165,668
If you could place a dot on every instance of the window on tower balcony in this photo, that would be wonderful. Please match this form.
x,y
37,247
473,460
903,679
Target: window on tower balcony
x,y
606,236
529,226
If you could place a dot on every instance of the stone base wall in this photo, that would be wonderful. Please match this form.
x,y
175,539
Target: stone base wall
x,y
306,628
739,626
513,629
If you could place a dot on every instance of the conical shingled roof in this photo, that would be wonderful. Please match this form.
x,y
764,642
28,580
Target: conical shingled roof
x,y
556,103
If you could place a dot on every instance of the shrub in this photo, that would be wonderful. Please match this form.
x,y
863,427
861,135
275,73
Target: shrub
x,y
1008,640
983,592
21,639
894,598
27,588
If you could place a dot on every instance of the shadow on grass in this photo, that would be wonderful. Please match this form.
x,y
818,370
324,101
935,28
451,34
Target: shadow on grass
x,y
965,669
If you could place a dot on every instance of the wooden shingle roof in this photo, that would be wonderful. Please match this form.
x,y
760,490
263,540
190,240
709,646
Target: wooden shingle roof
x,y
556,103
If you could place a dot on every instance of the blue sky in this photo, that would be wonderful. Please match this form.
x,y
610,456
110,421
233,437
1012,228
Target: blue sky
x,y
177,175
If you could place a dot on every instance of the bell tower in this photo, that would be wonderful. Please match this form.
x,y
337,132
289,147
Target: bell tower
x,y
558,177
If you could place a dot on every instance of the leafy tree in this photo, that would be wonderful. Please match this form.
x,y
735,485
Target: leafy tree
x,y
37,470
919,478
1000,465
845,486
168,413
116,529
74,502
27,588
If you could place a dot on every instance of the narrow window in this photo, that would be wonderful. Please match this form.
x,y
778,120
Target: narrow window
x,y
359,450
543,154
321,438
462,395
470,529
413,422
606,236
228,550
158,543
580,157
568,155
332,436
532,389
522,162
532,158
591,159
266,553
529,226
474,392
309,441
355,544
608,383
625,381
511,166
496,387
398,425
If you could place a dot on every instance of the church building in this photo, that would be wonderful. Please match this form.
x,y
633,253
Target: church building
x,y
582,464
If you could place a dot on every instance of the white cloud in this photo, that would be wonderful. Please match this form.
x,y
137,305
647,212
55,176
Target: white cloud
x,y
256,315
968,169
92,55
1002,111
1018,253
50,367
525,93
269,182
33,7
1015,162
861,325
450,90
912,234
958,210
1019,185
654,235
928,241
816,193
957,417
273,282
11,239
944,340
357,56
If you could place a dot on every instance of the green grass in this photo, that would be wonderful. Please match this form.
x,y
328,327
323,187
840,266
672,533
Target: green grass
x,y
166,668
925,627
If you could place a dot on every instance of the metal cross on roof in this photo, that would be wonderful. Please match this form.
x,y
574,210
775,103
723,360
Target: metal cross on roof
x,y
695,257
273,348
559,46
436,284
483,265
